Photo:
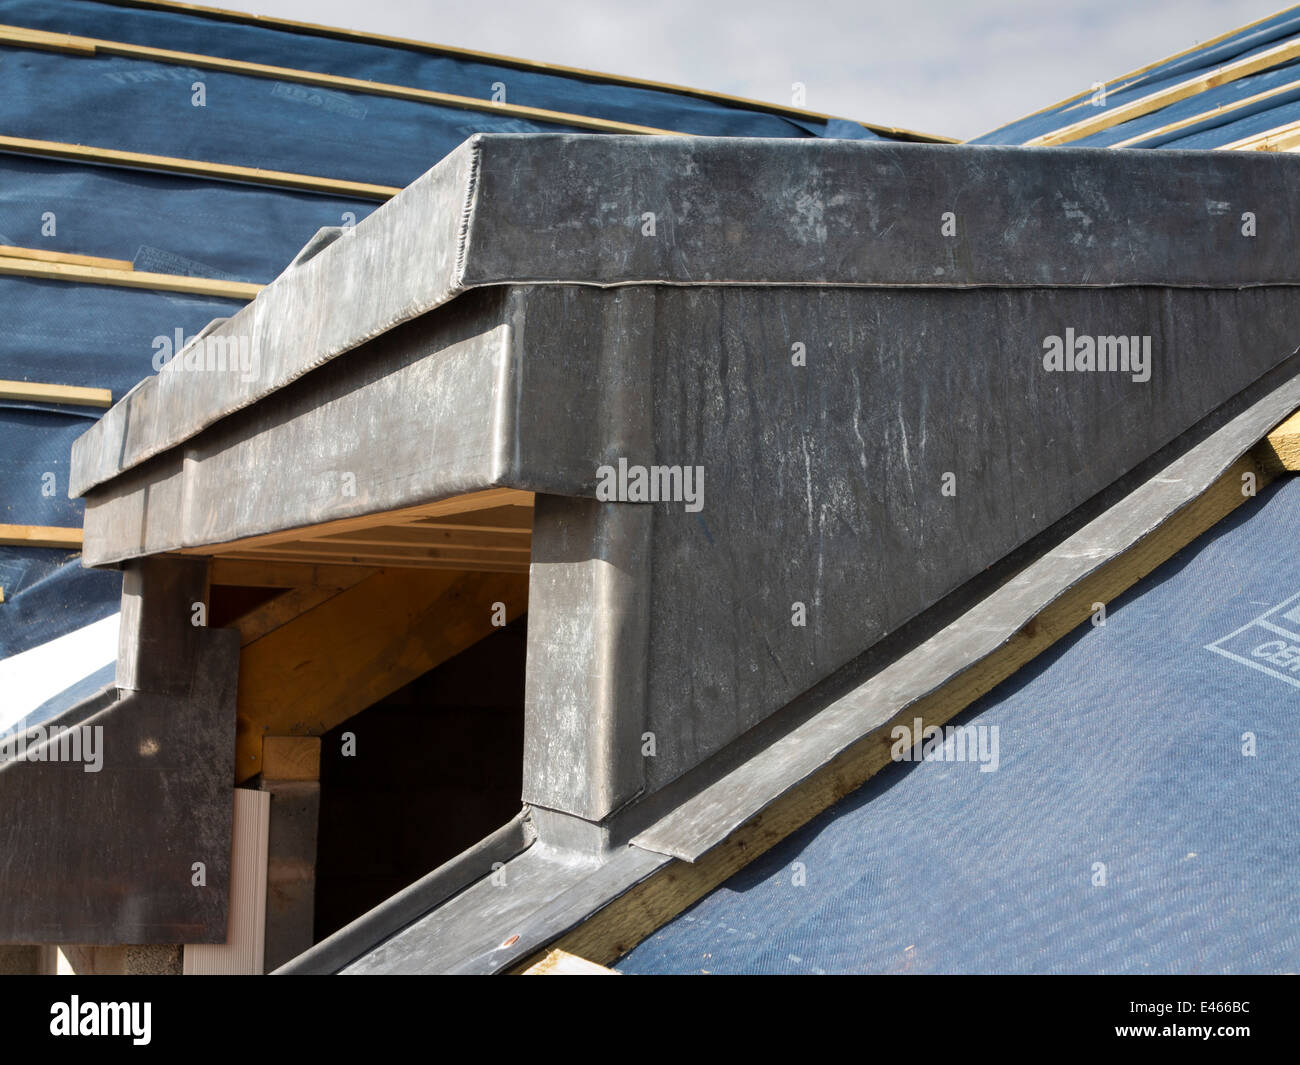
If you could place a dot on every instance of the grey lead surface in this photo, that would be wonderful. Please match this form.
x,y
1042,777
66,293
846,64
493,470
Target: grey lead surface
x,y
869,440
709,817
572,208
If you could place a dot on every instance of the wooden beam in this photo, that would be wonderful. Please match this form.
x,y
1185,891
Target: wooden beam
x,y
291,758
274,573
561,963
462,504
95,275
616,929
459,565
416,552
284,608
512,541
1223,75
87,153
12,251
41,536
73,395
349,652
511,519
1279,452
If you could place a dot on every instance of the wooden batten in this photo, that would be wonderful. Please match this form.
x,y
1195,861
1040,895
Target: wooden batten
x,y
88,153
71,395
1106,118
41,536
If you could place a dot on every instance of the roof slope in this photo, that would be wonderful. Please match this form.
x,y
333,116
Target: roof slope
x,y
939,866
1241,90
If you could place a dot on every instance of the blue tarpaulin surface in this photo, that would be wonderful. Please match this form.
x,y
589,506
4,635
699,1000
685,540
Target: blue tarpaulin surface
x,y
162,223
78,334
1213,129
1121,747
244,121
57,332
371,61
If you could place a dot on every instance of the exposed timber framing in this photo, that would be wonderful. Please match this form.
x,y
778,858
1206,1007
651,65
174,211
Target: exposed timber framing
x,y
291,758
359,645
281,610
489,531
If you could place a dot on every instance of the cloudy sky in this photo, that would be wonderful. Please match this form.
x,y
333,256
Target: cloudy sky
x,y
958,67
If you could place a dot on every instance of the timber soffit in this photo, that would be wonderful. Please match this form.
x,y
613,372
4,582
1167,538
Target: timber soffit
x,y
488,531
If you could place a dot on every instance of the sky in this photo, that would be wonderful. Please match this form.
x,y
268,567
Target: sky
x,y
940,66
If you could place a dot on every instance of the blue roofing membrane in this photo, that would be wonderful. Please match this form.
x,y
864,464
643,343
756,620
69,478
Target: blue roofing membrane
x,y
56,332
1216,127
372,61
1120,747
